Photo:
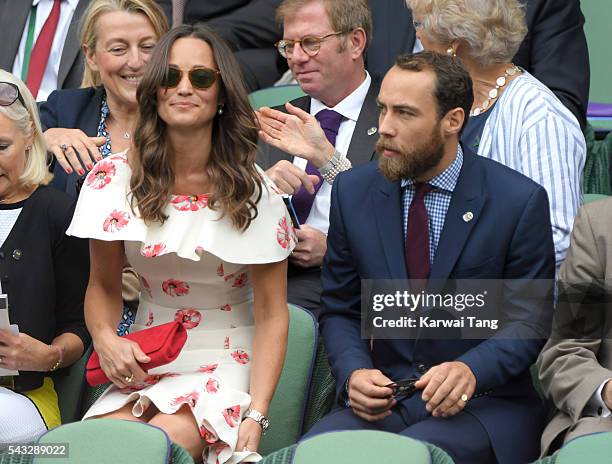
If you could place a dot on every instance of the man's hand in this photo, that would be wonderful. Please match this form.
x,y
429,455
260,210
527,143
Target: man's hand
x,y
289,178
311,247
297,133
444,385
368,396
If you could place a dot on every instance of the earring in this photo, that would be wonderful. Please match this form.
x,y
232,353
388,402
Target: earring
x,y
451,52
29,148
220,110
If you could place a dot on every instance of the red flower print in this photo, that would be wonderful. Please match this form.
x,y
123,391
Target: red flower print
x,y
241,357
208,368
240,280
284,236
149,322
119,157
220,271
190,318
189,202
226,343
153,379
232,415
208,436
212,386
225,307
189,398
116,221
151,251
101,175
146,286
175,287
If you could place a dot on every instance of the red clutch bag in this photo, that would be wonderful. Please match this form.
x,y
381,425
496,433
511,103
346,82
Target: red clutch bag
x,y
161,343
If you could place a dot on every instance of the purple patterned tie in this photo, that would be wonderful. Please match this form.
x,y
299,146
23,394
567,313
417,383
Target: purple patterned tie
x,y
417,235
302,200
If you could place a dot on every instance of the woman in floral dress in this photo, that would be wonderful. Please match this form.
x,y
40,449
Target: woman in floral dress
x,y
209,236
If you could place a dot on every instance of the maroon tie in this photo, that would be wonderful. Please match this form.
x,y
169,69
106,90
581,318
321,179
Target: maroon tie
x,y
42,49
302,200
417,235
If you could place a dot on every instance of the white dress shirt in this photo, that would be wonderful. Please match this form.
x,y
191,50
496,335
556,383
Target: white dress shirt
x,y
49,81
349,108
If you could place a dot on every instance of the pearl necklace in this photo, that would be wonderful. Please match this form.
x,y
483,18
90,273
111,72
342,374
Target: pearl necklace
x,y
494,92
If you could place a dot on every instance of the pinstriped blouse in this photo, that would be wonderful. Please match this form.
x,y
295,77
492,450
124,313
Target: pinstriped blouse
x,y
531,131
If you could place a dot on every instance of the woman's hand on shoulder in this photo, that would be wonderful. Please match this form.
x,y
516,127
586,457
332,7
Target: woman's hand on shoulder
x,y
249,435
24,353
73,149
119,358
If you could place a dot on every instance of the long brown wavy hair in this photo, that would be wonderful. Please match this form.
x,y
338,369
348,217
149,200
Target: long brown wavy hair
x,y
235,184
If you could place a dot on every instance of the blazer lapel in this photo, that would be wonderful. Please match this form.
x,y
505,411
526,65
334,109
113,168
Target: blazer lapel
x,y
365,135
387,206
12,24
463,213
72,46
89,118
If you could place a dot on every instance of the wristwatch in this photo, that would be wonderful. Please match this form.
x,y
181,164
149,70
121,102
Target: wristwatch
x,y
258,417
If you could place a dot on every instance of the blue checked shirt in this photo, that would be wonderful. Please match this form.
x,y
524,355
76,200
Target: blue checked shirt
x,y
436,201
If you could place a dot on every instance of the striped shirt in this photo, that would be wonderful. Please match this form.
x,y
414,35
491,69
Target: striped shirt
x,y
531,131
436,201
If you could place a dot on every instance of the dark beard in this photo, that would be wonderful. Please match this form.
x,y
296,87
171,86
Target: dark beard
x,y
413,164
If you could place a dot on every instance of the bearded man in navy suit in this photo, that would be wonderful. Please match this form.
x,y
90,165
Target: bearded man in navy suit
x,y
431,209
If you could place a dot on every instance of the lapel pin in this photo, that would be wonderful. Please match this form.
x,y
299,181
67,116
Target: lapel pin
x,y
467,217
17,254
372,130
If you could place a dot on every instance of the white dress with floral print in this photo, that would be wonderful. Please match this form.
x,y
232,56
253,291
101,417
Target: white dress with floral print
x,y
193,269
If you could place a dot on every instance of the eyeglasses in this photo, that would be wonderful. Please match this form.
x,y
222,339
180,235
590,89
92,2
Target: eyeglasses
x,y
201,78
310,44
9,93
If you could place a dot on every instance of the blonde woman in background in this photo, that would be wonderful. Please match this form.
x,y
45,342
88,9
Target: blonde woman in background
x,y
84,125
516,120
44,272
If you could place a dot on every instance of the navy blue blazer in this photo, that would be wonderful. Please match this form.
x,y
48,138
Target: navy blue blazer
x,y
71,109
509,237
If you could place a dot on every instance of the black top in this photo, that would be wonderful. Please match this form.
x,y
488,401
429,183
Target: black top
x,y
44,272
473,129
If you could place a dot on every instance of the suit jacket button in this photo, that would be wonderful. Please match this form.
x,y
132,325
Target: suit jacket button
x,y
1,254
421,368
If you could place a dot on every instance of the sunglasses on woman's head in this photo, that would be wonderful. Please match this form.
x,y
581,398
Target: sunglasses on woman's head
x,y
200,78
9,93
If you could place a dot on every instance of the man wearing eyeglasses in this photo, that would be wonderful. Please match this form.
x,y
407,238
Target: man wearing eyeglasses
x,y
315,137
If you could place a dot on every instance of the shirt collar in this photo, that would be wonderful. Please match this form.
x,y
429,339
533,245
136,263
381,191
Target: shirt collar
x,y
447,179
73,3
350,107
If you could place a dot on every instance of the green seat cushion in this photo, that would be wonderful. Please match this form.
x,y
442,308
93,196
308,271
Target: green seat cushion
x,y
361,446
288,405
591,197
275,96
594,449
108,441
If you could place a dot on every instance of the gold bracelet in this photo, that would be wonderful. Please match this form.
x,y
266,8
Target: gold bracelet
x,y
60,352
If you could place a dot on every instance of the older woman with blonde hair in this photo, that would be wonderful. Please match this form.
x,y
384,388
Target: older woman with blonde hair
x,y
84,125
44,273
516,120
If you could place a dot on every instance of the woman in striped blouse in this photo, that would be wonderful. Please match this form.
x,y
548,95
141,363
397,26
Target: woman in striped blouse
x,y
516,120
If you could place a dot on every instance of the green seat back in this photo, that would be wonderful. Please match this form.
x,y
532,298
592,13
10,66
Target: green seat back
x,y
274,96
289,402
70,386
591,197
108,441
361,446
322,389
594,449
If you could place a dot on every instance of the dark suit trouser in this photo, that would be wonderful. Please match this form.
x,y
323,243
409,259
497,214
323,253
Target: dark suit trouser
x,y
461,436
304,288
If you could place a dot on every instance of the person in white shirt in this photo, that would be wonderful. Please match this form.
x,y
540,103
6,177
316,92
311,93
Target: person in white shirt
x,y
324,42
